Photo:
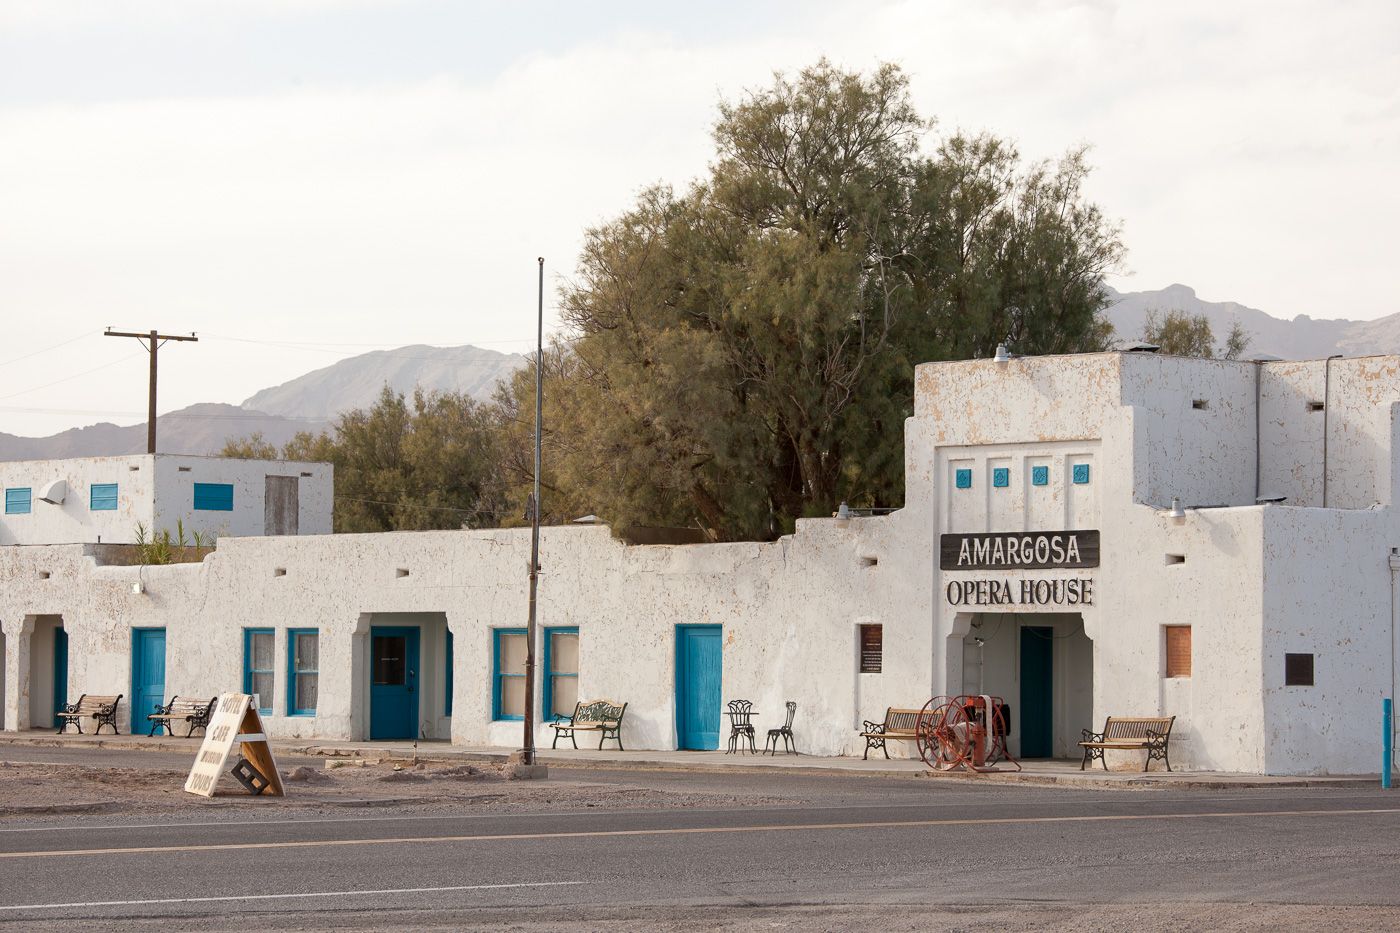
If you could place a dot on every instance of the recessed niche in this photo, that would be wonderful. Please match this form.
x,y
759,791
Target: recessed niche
x,y
869,561
1200,404
133,469
401,572
1316,406
279,571
1175,559
183,469
306,474
43,574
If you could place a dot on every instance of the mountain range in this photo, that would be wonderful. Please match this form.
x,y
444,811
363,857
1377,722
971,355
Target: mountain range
x,y
311,402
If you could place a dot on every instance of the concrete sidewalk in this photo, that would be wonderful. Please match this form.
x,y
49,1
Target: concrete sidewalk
x,y
1041,772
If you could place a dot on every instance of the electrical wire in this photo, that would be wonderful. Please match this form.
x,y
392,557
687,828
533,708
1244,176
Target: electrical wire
x,y
65,343
85,372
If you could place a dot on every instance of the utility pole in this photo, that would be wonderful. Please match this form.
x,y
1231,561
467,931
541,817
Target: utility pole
x,y
529,749
152,342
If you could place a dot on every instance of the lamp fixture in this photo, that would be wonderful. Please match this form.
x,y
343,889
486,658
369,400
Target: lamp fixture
x,y
1002,356
1177,513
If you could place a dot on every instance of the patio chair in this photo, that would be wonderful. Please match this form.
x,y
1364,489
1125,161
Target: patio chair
x,y
784,731
740,725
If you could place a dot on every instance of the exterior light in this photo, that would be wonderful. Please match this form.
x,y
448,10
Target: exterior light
x,y
843,513
1002,356
1177,514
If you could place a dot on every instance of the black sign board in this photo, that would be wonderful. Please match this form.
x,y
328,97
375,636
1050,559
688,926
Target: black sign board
x,y
1019,550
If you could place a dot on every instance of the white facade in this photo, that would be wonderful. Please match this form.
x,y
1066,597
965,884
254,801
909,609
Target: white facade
x,y
104,499
1253,582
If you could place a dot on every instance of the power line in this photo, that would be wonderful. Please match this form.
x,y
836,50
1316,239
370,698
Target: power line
x,y
82,336
72,377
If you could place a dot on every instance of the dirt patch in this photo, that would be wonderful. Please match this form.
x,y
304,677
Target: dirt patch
x,y
28,791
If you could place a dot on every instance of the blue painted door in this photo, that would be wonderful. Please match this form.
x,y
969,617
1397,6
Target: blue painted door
x,y
393,688
698,669
1037,692
60,673
147,675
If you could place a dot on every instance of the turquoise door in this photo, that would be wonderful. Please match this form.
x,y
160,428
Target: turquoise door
x,y
393,687
698,668
1037,692
147,674
60,673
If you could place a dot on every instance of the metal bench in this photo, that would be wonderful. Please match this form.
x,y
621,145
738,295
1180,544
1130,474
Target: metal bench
x,y
603,716
1128,733
899,724
192,711
101,709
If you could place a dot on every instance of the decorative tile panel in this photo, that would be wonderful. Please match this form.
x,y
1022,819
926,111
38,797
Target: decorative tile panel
x,y
1081,474
1040,476
1001,477
964,479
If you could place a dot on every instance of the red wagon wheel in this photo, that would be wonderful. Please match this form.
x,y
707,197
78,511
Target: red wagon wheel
x,y
925,732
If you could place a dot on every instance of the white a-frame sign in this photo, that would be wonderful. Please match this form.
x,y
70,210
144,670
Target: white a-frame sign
x,y
235,721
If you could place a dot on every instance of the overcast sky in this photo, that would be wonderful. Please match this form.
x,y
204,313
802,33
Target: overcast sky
x,y
303,180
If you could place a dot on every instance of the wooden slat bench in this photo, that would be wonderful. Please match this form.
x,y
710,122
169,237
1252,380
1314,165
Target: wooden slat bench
x,y
101,709
193,711
1129,733
899,724
602,716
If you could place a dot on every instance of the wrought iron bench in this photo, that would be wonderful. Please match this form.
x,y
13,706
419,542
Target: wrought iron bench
x,y
603,716
101,709
193,711
899,724
1125,733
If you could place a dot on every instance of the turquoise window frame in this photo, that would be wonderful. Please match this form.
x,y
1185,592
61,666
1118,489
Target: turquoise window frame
x,y
447,688
549,673
1001,477
963,479
1040,476
102,497
19,500
1080,474
292,671
213,497
249,670
497,676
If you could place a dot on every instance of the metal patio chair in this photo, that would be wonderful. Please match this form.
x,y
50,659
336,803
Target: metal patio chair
x,y
784,731
740,725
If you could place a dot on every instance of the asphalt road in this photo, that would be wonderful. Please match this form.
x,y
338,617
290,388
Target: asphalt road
x,y
903,844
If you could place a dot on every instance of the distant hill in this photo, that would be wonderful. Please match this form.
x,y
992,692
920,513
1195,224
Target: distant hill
x,y
1303,338
199,429
311,402
307,403
356,382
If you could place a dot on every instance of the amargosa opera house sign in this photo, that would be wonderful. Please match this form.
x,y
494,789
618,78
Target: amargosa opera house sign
x,y
1032,550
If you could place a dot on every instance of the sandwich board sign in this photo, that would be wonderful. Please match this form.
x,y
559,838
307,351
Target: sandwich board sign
x,y
235,722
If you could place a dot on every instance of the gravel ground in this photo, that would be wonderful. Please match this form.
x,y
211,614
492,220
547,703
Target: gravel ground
x,y
28,791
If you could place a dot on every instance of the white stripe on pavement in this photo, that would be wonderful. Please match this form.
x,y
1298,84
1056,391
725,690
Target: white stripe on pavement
x,y
274,897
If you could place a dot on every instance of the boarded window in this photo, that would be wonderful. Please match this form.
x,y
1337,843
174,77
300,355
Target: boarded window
x,y
213,497
1297,670
1178,650
872,648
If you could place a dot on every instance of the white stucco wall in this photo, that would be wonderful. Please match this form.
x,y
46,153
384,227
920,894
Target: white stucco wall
x,y
157,493
1252,581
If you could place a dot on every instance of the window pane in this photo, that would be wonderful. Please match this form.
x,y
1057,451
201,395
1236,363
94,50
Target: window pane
x,y
512,696
390,662
262,689
563,653
512,652
307,653
565,695
262,651
306,691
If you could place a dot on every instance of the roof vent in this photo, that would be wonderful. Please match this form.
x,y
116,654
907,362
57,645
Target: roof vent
x,y
1141,347
54,493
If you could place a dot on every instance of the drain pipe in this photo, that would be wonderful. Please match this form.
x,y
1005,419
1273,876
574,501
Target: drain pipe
x,y
1326,414
1394,606
1258,428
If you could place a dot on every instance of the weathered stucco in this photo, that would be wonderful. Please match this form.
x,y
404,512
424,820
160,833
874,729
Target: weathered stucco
x,y
1253,581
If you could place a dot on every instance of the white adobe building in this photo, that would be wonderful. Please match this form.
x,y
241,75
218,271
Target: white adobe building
x,y
102,500
1036,557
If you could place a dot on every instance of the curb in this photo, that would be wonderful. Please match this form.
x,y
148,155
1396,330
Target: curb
x,y
403,755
